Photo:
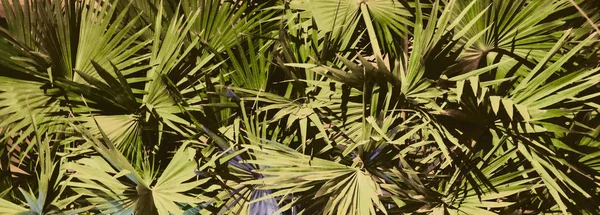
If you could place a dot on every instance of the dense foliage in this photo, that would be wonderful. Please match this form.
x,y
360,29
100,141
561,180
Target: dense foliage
x,y
300,106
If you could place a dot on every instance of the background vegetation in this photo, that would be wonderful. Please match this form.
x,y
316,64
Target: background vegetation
x,y
300,107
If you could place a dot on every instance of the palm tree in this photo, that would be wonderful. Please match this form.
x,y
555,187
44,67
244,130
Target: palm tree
x,y
300,107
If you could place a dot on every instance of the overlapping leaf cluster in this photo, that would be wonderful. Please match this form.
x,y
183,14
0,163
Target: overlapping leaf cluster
x,y
300,107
